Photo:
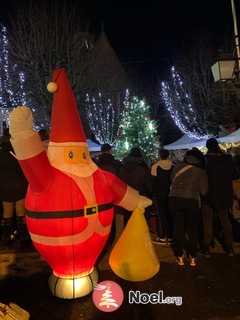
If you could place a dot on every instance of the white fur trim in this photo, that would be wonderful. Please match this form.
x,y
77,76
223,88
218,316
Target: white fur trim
x,y
27,144
130,200
68,144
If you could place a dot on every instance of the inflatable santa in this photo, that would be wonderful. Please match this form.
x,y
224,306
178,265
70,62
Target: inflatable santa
x,y
69,202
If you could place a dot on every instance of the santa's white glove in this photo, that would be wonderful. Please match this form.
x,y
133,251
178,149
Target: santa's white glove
x,y
20,119
144,202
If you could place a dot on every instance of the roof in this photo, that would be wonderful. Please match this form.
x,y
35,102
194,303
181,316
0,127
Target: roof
x,y
106,70
92,146
185,142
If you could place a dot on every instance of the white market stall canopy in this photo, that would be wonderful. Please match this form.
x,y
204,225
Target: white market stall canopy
x,y
92,146
232,137
185,142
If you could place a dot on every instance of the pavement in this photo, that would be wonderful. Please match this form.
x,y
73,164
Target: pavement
x,y
209,291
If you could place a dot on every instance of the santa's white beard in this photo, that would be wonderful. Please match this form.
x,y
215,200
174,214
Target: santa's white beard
x,y
56,158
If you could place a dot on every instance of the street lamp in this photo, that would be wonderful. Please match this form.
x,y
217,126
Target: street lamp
x,y
223,68
227,67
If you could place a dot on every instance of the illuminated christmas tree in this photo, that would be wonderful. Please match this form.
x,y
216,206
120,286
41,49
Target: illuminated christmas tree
x,y
137,130
178,103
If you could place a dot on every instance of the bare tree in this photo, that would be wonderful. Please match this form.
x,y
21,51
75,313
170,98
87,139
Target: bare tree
x,y
103,115
44,36
12,89
209,103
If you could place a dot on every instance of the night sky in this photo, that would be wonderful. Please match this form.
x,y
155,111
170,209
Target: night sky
x,y
146,34
152,29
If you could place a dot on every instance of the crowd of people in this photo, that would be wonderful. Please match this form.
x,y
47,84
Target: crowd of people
x,y
192,196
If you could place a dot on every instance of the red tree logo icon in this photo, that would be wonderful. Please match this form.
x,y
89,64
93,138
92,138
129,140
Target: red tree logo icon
x,y
107,296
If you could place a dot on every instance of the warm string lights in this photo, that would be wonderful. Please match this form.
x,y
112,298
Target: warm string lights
x,y
137,130
179,105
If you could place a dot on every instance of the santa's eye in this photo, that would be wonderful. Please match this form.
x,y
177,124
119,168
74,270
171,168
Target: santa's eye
x,y
84,155
71,154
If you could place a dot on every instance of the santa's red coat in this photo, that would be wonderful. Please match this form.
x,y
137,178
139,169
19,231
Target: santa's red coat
x,y
66,238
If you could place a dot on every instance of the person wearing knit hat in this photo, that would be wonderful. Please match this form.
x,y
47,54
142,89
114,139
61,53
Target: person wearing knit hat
x,y
221,171
195,157
69,202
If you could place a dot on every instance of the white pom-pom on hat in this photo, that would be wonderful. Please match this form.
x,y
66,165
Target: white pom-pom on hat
x,y
52,87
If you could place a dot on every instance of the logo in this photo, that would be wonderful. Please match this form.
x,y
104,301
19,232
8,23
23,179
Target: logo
x,y
153,298
107,296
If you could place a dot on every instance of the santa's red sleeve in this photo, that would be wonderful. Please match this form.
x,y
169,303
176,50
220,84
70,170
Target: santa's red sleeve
x,y
123,195
33,160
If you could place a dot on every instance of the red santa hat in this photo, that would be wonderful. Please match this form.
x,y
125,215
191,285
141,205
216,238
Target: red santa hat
x,y
66,125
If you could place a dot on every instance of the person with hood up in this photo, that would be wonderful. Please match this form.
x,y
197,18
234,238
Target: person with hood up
x,y
189,183
161,172
136,173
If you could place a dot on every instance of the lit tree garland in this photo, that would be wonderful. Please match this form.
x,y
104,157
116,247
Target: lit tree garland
x,y
12,81
178,103
137,130
102,116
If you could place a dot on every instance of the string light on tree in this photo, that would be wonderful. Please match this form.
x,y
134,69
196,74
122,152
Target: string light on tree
x,y
12,80
178,104
101,114
12,93
126,145
137,129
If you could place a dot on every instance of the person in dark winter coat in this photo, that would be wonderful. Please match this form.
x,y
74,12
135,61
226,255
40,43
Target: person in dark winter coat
x,y
161,172
107,162
136,173
188,184
13,188
221,172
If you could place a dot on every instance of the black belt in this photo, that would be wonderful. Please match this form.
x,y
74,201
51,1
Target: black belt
x,y
87,211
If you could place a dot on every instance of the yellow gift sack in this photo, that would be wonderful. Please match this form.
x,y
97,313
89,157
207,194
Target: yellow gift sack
x,y
133,257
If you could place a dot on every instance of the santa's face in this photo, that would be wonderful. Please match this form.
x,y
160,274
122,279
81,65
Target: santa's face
x,y
76,155
73,159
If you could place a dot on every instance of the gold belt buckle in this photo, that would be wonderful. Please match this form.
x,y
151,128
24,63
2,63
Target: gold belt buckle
x,y
91,210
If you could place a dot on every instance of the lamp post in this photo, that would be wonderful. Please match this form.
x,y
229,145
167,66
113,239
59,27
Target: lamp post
x,y
227,67
236,35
